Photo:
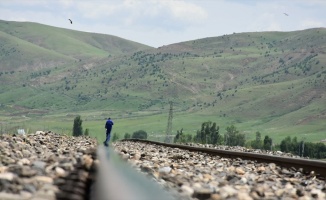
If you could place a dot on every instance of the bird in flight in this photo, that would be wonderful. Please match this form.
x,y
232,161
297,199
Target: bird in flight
x,y
70,21
286,14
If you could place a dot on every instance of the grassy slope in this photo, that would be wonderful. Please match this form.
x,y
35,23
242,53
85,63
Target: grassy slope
x,y
71,43
270,82
17,55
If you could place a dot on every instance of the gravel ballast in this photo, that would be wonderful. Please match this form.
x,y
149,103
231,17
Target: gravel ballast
x,y
195,175
45,165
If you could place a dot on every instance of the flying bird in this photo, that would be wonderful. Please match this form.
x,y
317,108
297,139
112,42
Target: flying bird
x,y
70,21
286,14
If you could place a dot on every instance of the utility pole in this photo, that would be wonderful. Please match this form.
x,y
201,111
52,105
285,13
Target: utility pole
x,y
302,148
169,126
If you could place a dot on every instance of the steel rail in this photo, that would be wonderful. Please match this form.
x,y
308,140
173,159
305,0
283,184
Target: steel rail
x,y
307,165
116,180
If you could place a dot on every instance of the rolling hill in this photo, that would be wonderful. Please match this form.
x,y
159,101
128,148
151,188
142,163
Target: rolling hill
x,y
32,44
273,82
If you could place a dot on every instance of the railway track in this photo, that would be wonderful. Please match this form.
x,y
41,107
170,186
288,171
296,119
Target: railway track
x,y
306,165
114,180
191,172
51,166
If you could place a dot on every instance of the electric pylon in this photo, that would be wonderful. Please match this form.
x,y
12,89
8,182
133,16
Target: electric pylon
x,y
169,127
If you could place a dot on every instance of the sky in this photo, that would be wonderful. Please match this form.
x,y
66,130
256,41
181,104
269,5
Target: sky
x,y
163,22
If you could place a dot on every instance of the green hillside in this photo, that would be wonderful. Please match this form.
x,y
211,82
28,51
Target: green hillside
x,y
69,42
18,54
272,82
25,44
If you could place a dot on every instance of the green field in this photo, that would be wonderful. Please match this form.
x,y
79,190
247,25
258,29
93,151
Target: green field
x,y
156,125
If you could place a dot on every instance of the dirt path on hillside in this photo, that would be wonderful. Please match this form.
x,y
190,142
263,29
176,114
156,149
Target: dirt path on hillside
x,y
231,76
192,89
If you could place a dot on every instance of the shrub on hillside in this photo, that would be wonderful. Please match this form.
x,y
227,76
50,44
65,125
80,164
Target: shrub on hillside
x,y
115,137
139,135
127,136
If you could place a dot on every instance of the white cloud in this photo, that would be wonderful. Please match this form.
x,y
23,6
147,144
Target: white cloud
x,y
264,22
66,3
96,10
314,2
131,10
274,26
185,11
311,24
27,3
161,22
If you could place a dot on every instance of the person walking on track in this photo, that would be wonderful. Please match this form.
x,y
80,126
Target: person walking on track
x,y
108,125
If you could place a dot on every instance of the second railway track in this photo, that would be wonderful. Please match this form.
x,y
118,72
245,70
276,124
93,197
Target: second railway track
x,y
202,173
305,165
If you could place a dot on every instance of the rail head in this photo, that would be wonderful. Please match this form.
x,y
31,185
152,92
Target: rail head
x,y
308,165
117,180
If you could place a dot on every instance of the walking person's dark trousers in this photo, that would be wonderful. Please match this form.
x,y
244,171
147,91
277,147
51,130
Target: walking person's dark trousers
x,y
108,136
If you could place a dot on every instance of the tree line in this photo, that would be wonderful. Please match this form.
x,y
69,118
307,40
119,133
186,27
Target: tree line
x,y
304,149
77,130
210,134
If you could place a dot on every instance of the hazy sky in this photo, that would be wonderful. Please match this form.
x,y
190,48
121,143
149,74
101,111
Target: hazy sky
x,y
163,22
